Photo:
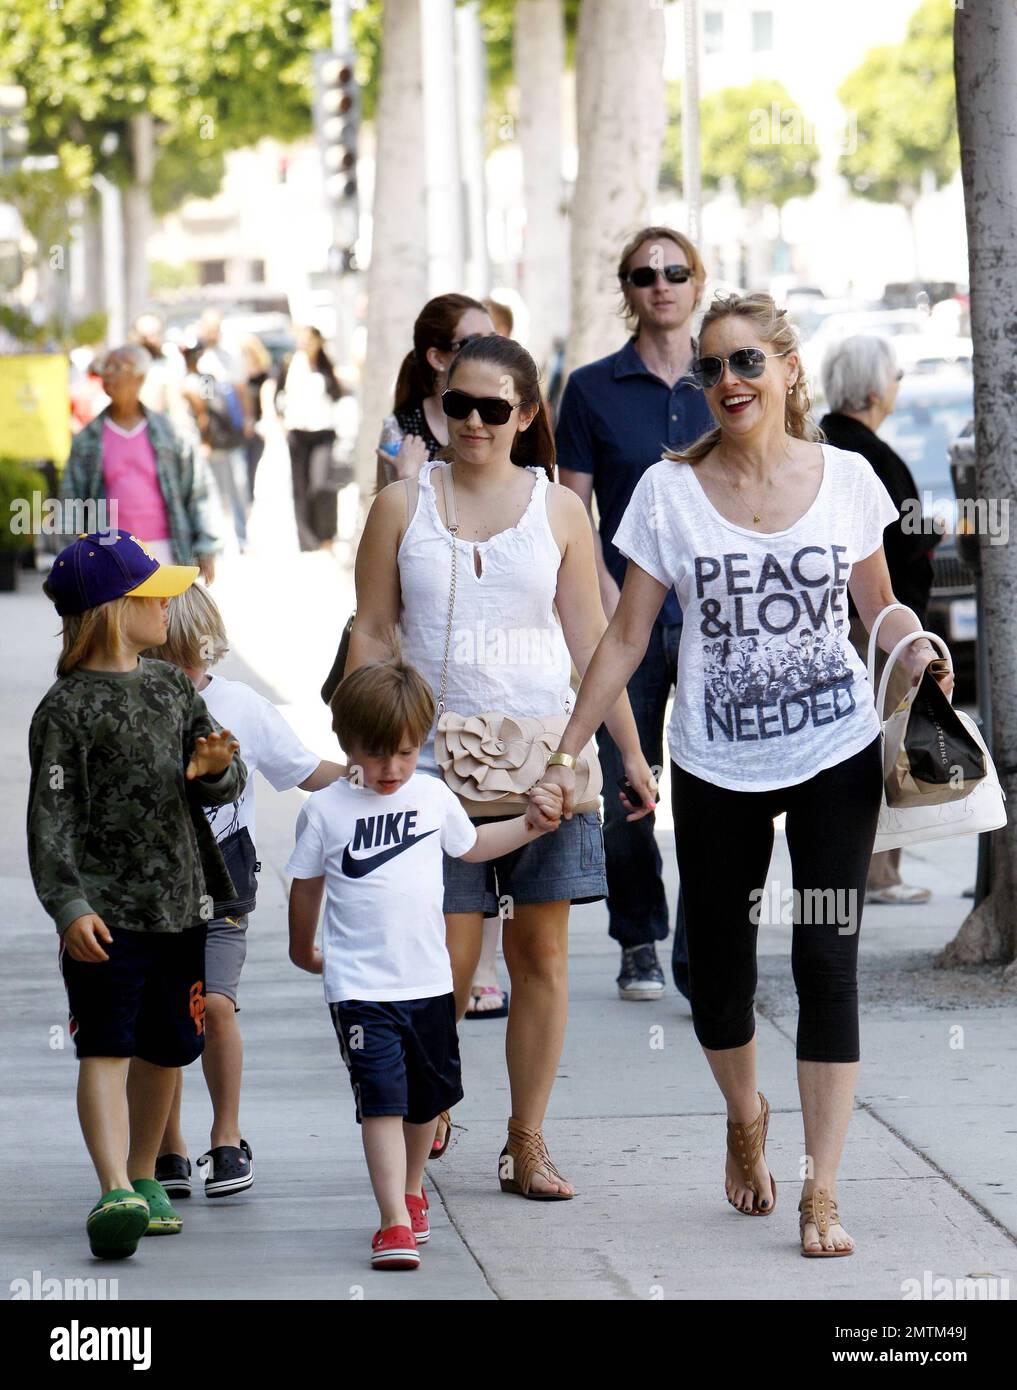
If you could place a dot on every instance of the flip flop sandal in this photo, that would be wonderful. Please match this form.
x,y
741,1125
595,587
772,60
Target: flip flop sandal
x,y
747,1145
438,1148
485,992
819,1209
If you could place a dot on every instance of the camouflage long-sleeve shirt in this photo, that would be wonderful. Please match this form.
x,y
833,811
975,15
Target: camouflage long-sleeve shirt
x,y
114,826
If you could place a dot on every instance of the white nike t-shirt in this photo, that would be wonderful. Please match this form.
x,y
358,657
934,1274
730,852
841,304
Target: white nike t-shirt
x,y
770,690
383,935
267,745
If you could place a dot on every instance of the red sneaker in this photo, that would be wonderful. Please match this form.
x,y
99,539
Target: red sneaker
x,y
394,1248
417,1208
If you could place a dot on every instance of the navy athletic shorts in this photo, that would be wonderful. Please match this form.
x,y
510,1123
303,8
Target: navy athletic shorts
x,y
403,1058
147,1000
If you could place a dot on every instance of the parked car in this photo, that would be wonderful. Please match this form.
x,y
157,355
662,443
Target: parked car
x,y
931,412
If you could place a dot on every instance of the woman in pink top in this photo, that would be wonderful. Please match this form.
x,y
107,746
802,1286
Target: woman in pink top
x,y
131,458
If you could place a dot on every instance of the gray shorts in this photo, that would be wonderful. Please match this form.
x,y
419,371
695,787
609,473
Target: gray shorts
x,y
225,953
565,865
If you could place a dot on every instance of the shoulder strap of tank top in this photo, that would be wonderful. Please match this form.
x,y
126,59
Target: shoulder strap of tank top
x,y
410,492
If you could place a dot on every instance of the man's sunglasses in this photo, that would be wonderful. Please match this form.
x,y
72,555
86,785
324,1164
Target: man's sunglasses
x,y
493,410
646,275
747,362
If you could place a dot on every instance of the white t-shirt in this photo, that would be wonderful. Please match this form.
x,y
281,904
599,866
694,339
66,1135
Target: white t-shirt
x,y
383,936
267,745
770,690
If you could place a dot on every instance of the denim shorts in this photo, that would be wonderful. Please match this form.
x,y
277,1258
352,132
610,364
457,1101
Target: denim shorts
x,y
565,865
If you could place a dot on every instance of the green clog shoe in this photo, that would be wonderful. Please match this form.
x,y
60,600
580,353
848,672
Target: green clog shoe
x,y
162,1219
116,1222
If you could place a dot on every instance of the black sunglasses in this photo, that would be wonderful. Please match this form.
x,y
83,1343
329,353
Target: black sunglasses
x,y
493,410
457,343
646,275
747,362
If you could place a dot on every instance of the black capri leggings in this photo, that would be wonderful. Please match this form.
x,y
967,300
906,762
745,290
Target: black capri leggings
x,y
724,841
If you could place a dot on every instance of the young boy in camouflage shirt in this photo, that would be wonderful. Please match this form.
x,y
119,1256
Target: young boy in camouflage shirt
x,y
124,755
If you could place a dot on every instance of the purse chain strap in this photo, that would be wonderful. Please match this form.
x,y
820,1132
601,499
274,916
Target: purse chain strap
x,y
452,522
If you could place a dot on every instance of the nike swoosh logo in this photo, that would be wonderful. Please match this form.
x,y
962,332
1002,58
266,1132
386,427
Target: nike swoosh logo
x,y
358,868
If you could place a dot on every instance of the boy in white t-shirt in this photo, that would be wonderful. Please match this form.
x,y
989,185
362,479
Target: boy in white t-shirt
x,y
196,640
372,844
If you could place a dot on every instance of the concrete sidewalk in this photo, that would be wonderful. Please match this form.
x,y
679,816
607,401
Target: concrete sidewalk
x,y
635,1121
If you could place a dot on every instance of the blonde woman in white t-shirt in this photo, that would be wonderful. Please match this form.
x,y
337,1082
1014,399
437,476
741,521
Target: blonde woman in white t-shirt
x,y
762,527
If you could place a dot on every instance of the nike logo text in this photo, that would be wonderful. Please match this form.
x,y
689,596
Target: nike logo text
x,y
381,830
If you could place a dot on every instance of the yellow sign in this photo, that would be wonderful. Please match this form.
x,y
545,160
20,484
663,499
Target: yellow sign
x,y
34,407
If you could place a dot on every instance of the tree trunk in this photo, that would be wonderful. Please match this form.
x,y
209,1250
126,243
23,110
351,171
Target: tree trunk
x,y
539,62
985,57
397,275
620,109
138,215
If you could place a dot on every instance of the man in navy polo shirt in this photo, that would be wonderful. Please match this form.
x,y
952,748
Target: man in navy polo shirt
x,y
616,417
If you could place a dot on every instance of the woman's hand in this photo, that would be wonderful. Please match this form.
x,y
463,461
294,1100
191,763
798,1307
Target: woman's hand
x,y
211,755
640,774
408,462
564,778
914,659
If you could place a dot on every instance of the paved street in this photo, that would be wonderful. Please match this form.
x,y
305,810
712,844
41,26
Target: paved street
x,y
928,1180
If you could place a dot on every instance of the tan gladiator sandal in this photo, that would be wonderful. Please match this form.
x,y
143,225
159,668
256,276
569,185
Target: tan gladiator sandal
x,y
747,1145
819,1209
525,1157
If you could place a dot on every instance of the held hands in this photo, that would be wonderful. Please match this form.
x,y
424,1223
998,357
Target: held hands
x,y
82,939
544,811
211,755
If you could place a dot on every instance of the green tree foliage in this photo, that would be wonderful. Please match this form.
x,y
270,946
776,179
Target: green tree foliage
x,y
215,75
901,100
755,135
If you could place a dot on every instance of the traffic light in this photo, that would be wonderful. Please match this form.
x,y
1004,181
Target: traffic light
x,y
337,112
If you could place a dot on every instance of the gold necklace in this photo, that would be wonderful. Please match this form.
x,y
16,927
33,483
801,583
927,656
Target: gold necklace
x,y
756,516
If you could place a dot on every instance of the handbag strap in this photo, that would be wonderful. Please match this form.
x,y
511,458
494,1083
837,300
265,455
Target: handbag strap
x,y
891,661
890,608
452,522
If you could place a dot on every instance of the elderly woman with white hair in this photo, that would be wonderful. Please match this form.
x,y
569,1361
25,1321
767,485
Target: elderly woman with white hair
x,y
860,381
131,458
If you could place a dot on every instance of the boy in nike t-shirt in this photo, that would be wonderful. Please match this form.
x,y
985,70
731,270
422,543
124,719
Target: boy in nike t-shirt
x,y
372,844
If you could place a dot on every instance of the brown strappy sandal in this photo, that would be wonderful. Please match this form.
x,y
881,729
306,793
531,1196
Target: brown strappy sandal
x,y
747,1145
820,1210
524,1157
438,1150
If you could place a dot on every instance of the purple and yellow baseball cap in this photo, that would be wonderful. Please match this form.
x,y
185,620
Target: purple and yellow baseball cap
x,y
104,565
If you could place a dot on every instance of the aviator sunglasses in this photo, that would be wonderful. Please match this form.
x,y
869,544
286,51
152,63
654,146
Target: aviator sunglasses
x,y
493,410
645,275
749,362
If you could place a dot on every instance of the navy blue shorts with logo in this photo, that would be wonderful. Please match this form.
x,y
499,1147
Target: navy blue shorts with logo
x,y
403,1058
147,1000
